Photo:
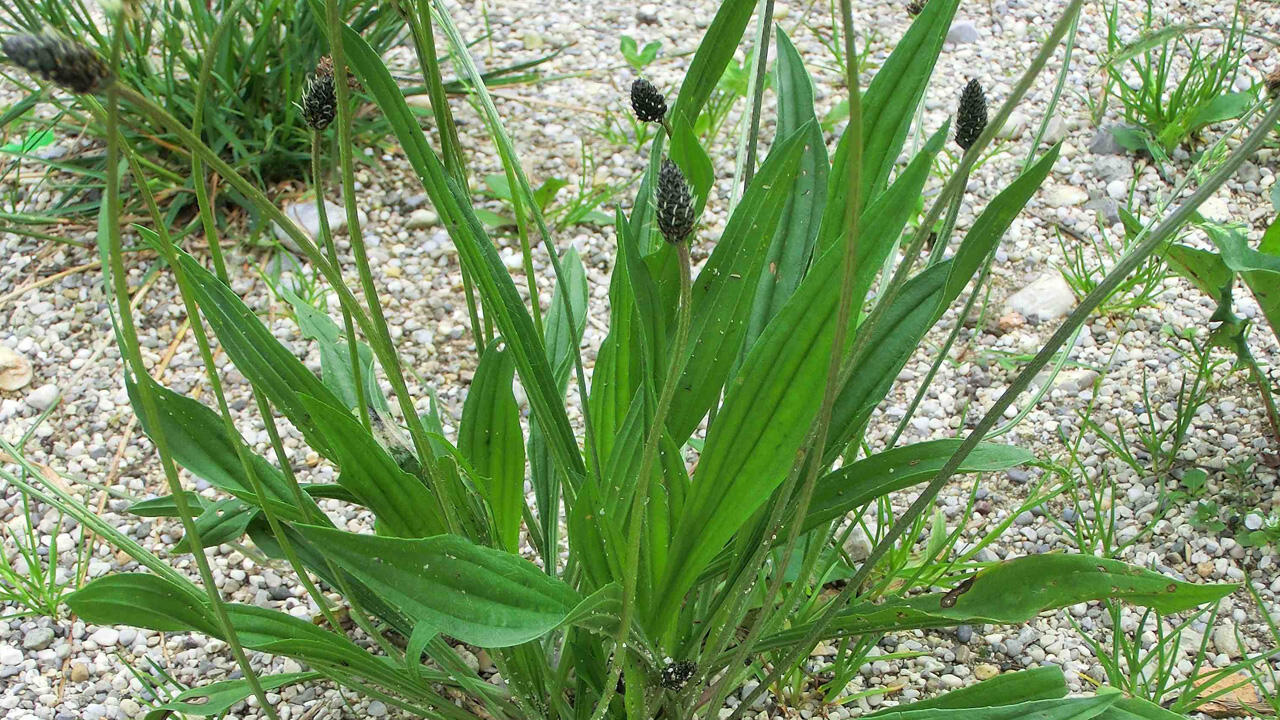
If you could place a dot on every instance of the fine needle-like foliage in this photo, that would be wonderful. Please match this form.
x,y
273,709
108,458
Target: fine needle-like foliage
x,y
670,564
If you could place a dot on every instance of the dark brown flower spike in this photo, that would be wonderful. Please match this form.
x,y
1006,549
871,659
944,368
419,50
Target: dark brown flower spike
x,y
971,117
67,64
647,102
675,203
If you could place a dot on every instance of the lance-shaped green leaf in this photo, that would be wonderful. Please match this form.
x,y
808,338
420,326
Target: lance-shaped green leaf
x,y
1041,683
877,475
217,698
156,603
1135,708
143,600
1017,590
335,356
220,522
717,48
271,367
861,482
477,252
479,595
562,343
723,290
197,437
617,373
791,248
771,401
922,301
164,506
403,505
1084,708
489,437
887,107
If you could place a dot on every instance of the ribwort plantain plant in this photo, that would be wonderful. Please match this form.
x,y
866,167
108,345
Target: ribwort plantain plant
x,y
662,577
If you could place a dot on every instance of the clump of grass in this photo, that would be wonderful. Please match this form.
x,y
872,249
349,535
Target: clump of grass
x,y
1169,82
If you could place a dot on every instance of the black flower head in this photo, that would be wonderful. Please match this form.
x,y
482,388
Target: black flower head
x,y
319,102
915,7
67,64
676,674
971,117
675,203
647,102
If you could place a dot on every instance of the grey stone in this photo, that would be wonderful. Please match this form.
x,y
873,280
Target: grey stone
x,y
964,633
377,709
1065,196
43,397
37,639
1018,475
1024,518
1224,638
858,545
1105,143
1112,167
962,33
1055,130
1108,210
1076,380
1047,298
421,218
105,637
307,217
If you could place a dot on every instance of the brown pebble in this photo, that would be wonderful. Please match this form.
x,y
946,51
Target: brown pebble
x,y
79,672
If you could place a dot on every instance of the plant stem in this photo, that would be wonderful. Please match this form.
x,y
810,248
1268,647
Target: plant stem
x,y
356,237
639,498
424,44
748,141
943,238
133,355
206,356
953,187
326,236
384,351
510,161
1135,257
808,464
197,123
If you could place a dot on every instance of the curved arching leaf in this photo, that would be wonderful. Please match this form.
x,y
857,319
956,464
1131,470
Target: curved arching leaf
x,y
479,595
1017,590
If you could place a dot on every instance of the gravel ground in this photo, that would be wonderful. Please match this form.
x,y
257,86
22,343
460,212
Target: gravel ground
x,y
53,315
